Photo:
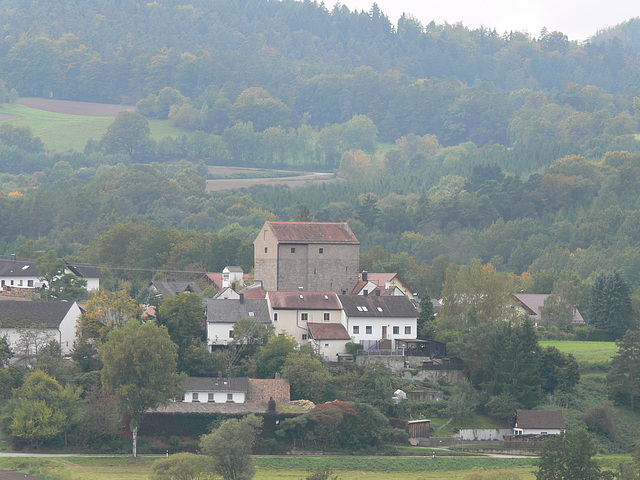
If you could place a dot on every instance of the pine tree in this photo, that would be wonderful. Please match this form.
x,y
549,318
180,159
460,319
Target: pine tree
x,y
610,306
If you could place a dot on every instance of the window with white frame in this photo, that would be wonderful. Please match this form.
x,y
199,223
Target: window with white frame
x,y
368,329
356,329
275,316
407,330
194,397
211,399
229,397
396,330
304,316
327,316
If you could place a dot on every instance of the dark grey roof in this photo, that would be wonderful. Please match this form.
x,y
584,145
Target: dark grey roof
x,y
378,306
21,314
18,268
215,384
84,270
169,288
231,310
539,419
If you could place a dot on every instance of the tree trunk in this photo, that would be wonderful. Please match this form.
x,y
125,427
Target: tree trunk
x,y
134,432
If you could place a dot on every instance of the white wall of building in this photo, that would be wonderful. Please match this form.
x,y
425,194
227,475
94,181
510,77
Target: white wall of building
x,y
215,397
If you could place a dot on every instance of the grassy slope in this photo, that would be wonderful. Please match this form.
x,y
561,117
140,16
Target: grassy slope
x,y
271,468
589,352
61,132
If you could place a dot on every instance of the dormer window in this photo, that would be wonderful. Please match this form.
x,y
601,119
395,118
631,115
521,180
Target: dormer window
x,y
252,314
379,309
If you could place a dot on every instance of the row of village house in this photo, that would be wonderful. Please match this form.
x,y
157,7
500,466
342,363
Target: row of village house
x,y
307,285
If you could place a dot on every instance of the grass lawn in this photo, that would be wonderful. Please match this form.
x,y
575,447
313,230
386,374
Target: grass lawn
x,y
272,468
588,352
61,132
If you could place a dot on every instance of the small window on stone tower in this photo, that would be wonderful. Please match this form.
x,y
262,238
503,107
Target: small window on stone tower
x,y
321,250
293,249
266,250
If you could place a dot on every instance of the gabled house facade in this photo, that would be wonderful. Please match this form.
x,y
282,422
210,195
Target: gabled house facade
x,y
291,312
538,422
19,274
309,255
23,274
45,320
378,321
385,283
531,303
230,276
170,288
222,315
216,390
328,339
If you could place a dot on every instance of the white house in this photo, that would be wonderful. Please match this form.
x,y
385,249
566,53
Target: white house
x,y
379,321
45,321
23,274
292,311
538,422
223,313
216,390
328,339
19,274
90,273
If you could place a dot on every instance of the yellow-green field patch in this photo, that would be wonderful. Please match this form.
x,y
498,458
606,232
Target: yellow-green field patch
x,y
590,352
61,132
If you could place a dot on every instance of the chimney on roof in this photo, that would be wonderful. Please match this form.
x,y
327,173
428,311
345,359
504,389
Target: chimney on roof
x,y
219,373
241,298
13,257
277,376
365,274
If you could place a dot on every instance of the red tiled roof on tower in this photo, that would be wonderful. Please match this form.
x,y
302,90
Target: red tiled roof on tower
x,y
313,232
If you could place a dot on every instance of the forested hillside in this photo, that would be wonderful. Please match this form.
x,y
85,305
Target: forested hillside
x,y
448,144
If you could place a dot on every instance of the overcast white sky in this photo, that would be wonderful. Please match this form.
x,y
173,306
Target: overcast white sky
x,y
578,19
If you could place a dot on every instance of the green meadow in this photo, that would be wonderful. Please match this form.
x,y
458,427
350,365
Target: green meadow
x,y
272,468
585,352
61,132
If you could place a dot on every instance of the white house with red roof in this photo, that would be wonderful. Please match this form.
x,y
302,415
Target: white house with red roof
x,y
328,339
291,312
384,283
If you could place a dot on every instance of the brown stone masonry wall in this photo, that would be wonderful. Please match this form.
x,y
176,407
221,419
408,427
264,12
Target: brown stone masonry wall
x,y
260,390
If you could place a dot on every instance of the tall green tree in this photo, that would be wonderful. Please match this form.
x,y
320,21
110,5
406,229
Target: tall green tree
x,y
610,307
624,377
568,456
427,317
183,315
140,363
231,446
128,133
308,376
41,410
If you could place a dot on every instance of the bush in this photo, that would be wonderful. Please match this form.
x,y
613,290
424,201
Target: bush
x,y
354,348
183,466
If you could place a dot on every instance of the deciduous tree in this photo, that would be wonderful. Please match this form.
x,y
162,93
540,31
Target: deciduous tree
x,y
231,446
140,370
568,456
